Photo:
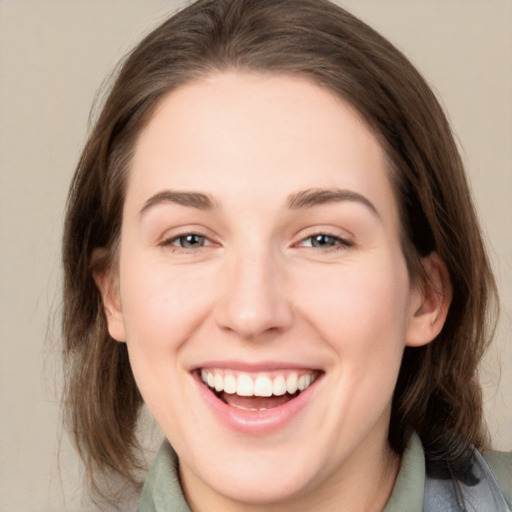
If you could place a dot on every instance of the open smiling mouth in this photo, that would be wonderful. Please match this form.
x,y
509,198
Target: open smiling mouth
x,y
257,392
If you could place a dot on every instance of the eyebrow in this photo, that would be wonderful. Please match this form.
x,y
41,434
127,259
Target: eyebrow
x,y
318,196
299,200
192,199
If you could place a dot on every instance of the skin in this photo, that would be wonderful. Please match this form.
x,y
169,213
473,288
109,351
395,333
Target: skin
x,y
256,289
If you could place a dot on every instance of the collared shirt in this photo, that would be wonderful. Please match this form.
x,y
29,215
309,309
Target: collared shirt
x,y
162,491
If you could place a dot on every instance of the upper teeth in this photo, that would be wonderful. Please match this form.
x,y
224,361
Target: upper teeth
x,y
245,384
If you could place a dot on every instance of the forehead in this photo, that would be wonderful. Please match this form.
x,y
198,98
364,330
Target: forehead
x,y
234,134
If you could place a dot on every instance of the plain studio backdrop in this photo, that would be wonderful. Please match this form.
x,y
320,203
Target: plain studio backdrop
x,y
55,54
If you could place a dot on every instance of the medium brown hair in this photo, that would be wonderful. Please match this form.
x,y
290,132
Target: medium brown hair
x,y
437,392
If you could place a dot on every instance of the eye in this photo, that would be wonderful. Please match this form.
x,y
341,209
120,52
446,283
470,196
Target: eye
x,y
325,241
188,241
321,241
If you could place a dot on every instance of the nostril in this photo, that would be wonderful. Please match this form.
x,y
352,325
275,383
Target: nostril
x,y
252,319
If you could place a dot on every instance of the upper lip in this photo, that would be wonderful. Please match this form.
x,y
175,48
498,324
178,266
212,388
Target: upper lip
x,y
254,367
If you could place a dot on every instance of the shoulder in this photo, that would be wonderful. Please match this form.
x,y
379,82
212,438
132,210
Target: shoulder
x,y
501,466
484,485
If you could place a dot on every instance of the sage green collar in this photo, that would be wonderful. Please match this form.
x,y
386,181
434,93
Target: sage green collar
x,y
407,495
162,490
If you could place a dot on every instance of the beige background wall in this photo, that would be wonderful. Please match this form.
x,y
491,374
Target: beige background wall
x,y
53,56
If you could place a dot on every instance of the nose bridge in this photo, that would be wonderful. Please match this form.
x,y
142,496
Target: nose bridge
x,y
254,300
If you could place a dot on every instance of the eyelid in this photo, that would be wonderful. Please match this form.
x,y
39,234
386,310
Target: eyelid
x,y
344,241
334,232
174,234
172,240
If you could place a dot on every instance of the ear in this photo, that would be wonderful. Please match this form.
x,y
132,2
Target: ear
x,y
108,285
430,301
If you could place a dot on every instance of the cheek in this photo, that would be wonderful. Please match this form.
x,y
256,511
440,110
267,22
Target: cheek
x,y
162,300
162,306
362,316
361,310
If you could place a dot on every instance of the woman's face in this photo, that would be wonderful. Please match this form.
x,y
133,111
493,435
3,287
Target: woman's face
x,y
260,252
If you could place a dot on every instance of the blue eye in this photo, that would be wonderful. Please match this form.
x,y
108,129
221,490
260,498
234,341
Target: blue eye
x,y
323,241
188,241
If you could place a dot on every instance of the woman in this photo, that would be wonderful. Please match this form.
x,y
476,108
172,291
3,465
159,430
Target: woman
x,y
270,242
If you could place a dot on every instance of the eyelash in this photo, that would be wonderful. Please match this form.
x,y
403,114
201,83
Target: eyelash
x,y
337,243
333,243
171,242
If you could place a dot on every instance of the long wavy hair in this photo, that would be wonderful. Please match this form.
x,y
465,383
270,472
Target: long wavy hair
x,y
437,393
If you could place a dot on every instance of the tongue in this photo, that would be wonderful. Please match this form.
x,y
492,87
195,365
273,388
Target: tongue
x,y
255,402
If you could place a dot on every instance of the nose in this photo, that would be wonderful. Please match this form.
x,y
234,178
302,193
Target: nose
x,y
253,301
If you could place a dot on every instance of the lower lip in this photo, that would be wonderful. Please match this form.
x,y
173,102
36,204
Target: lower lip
x,y
256,423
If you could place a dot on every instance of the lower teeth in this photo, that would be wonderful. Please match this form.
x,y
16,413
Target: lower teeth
x,y
249,408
